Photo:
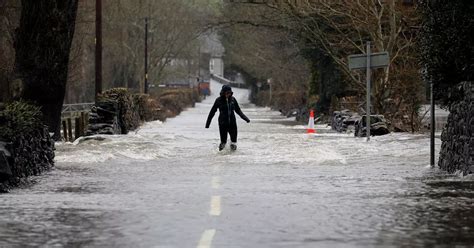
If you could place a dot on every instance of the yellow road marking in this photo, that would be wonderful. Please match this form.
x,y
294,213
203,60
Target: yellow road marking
x,y
215,206
206,238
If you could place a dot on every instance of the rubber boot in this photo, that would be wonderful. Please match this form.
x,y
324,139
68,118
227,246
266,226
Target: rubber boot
x,y
233,146
221,146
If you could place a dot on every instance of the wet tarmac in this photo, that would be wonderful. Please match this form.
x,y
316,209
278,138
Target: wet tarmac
x,y
166,185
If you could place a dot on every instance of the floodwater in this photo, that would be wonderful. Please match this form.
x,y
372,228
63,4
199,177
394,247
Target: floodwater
x,y
166,185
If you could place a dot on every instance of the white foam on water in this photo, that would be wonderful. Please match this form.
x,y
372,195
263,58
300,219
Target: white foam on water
x,y
263,141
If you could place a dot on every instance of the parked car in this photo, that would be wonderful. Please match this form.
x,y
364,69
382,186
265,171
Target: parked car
x,y
344,120
378,126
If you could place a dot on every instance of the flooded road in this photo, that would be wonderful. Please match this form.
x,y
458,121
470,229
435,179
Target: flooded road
x,y
166,185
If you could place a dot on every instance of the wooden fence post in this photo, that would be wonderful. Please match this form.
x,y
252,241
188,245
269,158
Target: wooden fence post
x,y
77,124
83,123
87,122
69,129
64,130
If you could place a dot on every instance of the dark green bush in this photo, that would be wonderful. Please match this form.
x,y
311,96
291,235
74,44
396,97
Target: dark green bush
x,y
19,118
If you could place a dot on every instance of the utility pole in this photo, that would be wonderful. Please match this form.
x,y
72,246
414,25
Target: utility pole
x,y
98,48
199,62
369,73
432,128
146,55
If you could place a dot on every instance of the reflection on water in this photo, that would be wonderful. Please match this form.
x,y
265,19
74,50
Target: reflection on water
x,y
68,227
439,212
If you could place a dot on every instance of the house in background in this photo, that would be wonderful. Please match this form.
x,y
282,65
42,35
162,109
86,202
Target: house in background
x,y
193,70
216,66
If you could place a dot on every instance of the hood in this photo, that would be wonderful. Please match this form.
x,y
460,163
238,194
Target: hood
x,y
226,88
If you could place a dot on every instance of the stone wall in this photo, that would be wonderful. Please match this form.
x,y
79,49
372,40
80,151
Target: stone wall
x,y
457,149
26,148
117,111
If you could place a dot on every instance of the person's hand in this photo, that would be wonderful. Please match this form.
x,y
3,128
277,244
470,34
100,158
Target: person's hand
x,y
248,121
207,126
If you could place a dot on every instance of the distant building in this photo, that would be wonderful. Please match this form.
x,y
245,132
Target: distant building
x,y
216,66
213,48
191,71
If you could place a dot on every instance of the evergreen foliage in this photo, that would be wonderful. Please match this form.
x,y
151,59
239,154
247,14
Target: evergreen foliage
x,y
19,118
326,79
447,47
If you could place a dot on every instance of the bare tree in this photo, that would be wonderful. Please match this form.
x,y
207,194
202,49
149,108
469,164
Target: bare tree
x,y
9,19
342,27
80,86
173,28
338,28
42,65
261,39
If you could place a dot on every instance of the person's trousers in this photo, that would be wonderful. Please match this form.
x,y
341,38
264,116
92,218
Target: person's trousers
x,y
231,130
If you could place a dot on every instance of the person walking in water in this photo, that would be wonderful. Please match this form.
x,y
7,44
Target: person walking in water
x,y
227,105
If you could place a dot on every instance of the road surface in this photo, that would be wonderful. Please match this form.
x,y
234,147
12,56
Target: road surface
x,y
166,185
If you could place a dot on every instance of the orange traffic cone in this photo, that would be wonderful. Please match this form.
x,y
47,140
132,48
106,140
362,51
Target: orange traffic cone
x,y
311,122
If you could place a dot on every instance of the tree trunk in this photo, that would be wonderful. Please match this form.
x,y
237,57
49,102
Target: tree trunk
x,y
42,44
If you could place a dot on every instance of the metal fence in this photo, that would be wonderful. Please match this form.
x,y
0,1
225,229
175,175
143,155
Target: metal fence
x,y
74,110
75,120
77,107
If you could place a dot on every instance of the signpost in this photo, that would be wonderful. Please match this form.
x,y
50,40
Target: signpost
x,y
377,60
368,61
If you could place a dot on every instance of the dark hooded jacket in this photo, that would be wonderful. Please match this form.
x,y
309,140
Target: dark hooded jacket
x,y
227,109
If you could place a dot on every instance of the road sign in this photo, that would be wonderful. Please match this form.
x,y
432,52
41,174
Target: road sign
x,y
377,60
368,62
